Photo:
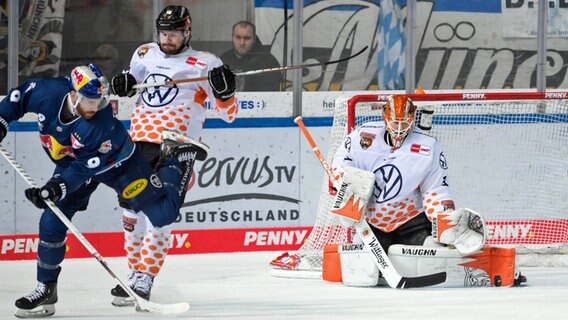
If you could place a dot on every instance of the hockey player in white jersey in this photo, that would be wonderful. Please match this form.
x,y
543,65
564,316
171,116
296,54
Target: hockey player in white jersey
x,y
410,169
411,204
180,108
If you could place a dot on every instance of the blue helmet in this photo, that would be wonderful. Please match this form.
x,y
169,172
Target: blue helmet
x,y
89,82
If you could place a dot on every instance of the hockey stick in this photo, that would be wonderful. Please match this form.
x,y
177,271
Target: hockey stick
x,y
372,245
143,305
251,72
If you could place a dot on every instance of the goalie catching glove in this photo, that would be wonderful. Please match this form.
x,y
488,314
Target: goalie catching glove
x,y
223,82
462,228
53,190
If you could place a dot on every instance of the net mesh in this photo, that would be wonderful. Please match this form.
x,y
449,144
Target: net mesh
x,y
508,159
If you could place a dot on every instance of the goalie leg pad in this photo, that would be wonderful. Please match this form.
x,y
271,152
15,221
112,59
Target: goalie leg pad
x,y
358,268
354,192
489,267
331,263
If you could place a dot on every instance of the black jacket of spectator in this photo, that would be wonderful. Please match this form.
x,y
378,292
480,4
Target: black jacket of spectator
x,y
258,58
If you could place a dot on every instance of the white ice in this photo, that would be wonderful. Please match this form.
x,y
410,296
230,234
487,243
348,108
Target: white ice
x,y
239,286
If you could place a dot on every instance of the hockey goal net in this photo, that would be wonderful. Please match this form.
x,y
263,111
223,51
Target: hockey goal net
x,y
508,159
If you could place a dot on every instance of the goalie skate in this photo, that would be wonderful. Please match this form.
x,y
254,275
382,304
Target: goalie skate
x,y
39,303
293,266
285,261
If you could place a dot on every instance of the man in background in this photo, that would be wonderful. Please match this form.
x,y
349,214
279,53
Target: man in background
x,y
248,54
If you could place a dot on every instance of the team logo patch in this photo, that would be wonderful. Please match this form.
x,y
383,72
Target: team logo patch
x,y
347,144
418,148
155,181
199,64
366,140
448,204
134,188
129,223
142,52
105,147
443,162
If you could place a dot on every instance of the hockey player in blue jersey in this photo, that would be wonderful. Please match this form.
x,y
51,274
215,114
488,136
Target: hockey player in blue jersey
x,y
89,146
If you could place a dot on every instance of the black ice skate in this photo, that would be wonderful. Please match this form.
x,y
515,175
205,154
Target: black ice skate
x,y
175,144
519,279
186,151
39,303
119,297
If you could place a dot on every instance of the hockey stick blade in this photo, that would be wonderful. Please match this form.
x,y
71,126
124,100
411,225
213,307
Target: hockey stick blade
x,y
372,244
251,72
163,308
144,305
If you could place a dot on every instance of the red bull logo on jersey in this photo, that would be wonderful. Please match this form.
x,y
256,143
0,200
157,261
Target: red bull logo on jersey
x,y
134,188
56,150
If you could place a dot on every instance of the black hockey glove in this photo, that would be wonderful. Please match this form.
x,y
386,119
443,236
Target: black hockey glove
x,y
53,190
3,129
121,85
222,80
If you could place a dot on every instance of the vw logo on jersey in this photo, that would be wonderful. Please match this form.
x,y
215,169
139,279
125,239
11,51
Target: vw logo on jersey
x,y
158,96
443,162
388,183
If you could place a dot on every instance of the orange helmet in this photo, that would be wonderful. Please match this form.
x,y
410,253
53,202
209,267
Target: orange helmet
x,y
399,114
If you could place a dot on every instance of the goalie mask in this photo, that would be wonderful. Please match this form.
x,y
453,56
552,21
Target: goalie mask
x,y
174,18
399,114
89,82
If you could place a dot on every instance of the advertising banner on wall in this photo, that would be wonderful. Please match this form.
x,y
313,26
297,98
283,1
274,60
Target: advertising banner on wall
x,y
520,18
475,44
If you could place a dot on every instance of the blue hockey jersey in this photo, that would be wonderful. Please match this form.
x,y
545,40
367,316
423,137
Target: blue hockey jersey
x,y
82,148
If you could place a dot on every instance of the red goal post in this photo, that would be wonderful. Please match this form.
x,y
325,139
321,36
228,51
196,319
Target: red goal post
x,y
508,159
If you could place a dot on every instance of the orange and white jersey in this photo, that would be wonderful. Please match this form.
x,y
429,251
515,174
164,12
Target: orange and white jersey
x,y
180,107
409,180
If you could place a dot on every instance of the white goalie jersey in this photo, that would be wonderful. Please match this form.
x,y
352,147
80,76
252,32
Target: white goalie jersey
x,y
408,181
181,107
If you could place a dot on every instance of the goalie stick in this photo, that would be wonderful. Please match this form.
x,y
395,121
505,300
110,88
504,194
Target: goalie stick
x,y
142,305
381,259
251,72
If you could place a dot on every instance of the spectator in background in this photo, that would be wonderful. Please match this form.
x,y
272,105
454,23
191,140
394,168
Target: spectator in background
x,y
248,54
106,57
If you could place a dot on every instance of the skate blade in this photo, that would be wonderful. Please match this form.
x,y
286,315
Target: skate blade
x,y
39,312
123,302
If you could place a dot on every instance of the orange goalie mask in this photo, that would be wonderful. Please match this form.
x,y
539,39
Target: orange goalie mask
x,y
399,114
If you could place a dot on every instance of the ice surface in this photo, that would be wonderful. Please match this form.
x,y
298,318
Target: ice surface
x,y
239,286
